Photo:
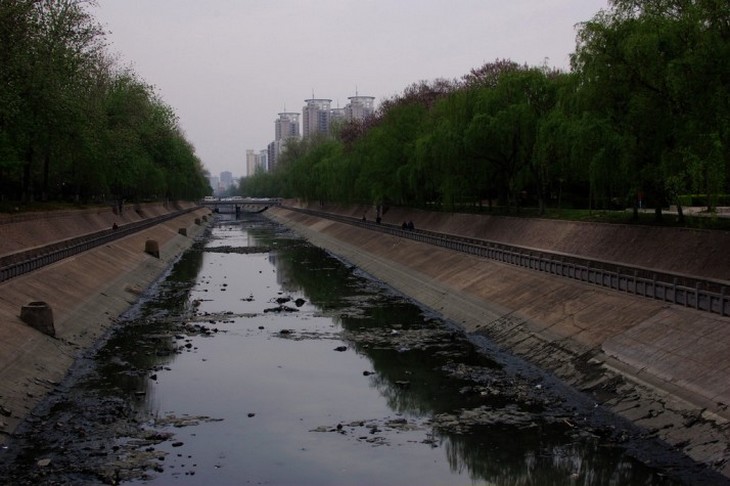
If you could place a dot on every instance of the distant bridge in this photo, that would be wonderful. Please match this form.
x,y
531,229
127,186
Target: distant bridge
x,y
236,206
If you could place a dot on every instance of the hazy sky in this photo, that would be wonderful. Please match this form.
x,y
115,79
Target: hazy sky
x,y
227,67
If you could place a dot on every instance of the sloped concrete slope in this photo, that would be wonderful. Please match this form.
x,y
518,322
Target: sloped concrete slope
x,y
663,367
697,252
29,230
86,293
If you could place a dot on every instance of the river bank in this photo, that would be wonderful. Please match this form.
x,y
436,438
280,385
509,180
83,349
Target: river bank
x,y
263,359
86,293
662,367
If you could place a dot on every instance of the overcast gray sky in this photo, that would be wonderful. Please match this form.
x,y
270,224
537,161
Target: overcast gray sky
x,y
227,67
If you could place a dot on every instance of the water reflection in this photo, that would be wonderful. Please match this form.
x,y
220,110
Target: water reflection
x,y
283,365
146,342
413,380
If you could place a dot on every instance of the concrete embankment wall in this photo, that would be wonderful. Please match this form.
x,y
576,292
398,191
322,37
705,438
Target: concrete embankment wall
x,y
663,367
86,293
703,253
24,231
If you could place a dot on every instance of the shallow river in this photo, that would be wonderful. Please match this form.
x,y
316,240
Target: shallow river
x,y
263,360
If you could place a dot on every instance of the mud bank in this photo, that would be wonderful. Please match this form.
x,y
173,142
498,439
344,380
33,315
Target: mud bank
x,y
86,293
662,367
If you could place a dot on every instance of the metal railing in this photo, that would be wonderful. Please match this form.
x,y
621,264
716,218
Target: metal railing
x,y
688,291
26,261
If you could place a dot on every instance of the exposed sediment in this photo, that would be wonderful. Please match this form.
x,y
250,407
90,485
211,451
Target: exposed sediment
x,y
663,367
86,293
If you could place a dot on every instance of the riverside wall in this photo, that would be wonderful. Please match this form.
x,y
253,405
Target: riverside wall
x,y
663,367
87,292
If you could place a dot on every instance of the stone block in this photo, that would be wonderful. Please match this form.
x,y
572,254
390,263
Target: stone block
x,y
38,315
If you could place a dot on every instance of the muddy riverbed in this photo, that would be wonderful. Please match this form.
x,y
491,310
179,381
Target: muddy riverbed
x,y
262,360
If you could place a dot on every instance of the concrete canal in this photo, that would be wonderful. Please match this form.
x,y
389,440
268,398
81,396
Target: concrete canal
x,y
261,359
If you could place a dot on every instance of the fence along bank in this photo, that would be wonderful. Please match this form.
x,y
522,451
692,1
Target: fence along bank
x,y
652,362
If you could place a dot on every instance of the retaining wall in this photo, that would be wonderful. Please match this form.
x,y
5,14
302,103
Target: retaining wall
x,y
661,366
703,253
86,292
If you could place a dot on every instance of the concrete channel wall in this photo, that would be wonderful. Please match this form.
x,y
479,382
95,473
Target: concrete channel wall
x,y
86,292
690,291
660,365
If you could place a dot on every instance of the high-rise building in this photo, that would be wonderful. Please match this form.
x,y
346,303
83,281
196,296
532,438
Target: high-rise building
x,y
286,126
252,162
316,117
226,180
337,115
273,150
359,107
263,161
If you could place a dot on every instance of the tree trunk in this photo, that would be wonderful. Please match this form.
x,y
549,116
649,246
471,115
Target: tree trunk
x,y
46,176
680,213
26,187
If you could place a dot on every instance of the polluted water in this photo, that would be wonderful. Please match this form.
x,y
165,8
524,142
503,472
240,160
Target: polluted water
x,y
261,359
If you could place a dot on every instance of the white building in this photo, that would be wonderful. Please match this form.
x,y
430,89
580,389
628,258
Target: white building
x,y
263,161
359,107
316,117
286,126
251,162
337,115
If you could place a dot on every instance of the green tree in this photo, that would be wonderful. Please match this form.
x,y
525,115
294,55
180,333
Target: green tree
x,y
657,70
503,132
72,125
66,44
388,147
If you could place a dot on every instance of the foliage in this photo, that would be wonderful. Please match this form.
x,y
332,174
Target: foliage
x,y
73,126
642,118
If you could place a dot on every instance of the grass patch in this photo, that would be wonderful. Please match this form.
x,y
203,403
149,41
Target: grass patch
x,y
15,207
645,218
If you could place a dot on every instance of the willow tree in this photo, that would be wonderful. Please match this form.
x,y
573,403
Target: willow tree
x,y
658,72
503,131
453,169
387,148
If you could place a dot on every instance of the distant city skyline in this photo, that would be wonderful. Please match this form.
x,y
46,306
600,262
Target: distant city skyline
x,y
317,115
228,67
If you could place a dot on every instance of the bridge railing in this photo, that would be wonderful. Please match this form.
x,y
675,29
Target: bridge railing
x,y
688,291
